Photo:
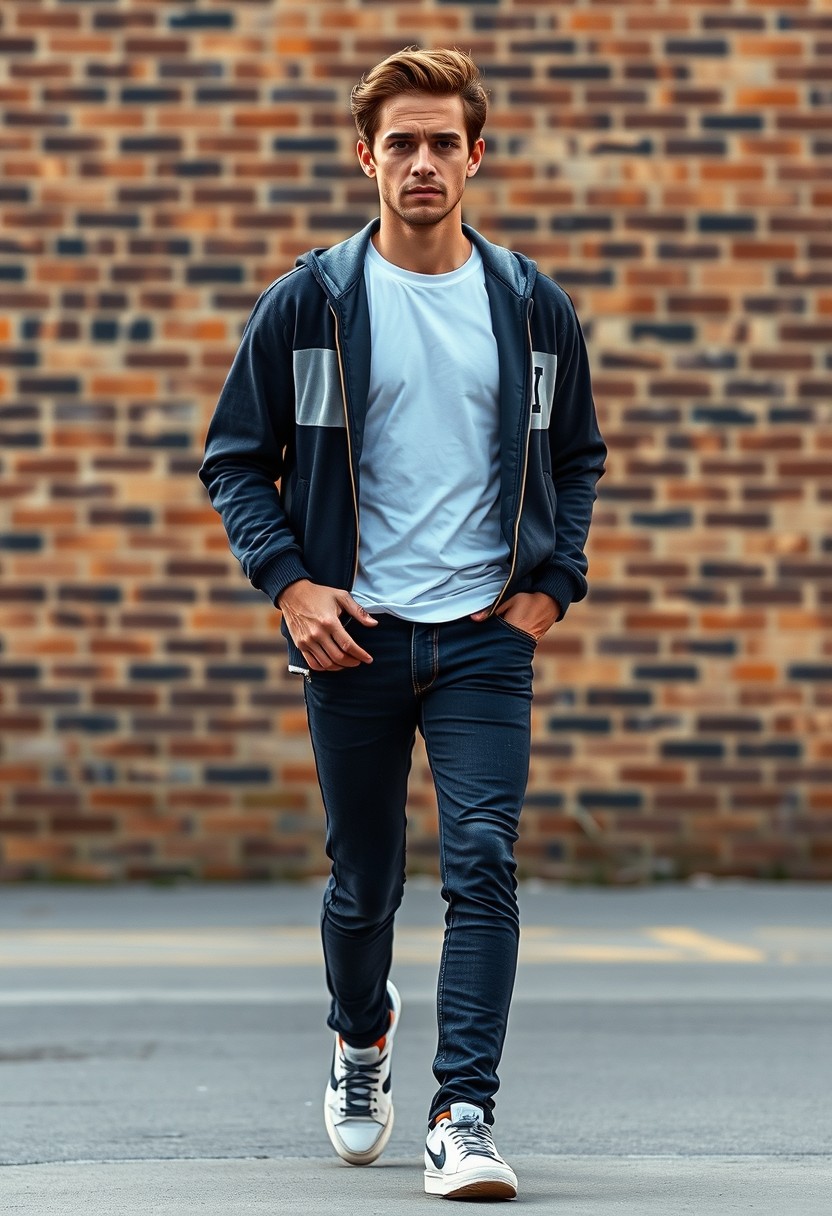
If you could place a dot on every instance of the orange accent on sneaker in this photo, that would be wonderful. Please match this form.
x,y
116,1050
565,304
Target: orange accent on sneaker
x,y
446,1114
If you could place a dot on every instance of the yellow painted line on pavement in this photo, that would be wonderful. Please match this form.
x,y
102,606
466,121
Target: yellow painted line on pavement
x,y
705,948
300,946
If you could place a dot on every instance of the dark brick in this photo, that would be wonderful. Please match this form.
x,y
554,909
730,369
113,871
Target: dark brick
x,y
726,223
236,671
99,594
215,274
619,696
719,724
19,671
737,519
21,542
240,775
809,671
52,385
89,724
581,223
696,46
662,519
101,219
197,168
610,800
724,647
662,332
778,749
202,19
732,122
72,143
18,46
681,146
175,69
579,71
730,570
729,415
211,94
666,671
82,824
146,144
304,93
691,749
617,147
582,724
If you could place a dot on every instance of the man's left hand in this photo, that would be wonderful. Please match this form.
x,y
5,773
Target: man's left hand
x,y
534,612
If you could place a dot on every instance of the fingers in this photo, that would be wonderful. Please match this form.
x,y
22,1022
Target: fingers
x,y
351,606
332,648
314,613
328,655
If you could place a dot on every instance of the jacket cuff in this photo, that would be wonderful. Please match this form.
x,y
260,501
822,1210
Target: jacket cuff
x,y
560,585
276,575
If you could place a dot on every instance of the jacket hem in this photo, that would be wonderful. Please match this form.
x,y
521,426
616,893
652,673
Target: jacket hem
x,y
276,575
560,585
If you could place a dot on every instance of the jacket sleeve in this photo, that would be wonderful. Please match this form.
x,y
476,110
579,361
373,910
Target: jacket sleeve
x,y
244,453
578,453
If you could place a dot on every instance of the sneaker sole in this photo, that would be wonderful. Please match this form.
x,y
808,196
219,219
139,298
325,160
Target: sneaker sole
x,y
352,1158
478,1184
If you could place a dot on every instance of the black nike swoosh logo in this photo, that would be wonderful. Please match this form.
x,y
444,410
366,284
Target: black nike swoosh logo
x,y
438,1159
333,1080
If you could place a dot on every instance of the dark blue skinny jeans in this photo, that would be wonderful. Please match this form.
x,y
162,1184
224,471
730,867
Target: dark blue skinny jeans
x,y
467,686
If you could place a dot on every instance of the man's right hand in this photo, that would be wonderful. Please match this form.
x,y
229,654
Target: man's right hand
x,y
312,618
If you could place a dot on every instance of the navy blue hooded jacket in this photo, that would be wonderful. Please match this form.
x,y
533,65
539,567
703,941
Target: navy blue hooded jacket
x,y
293,406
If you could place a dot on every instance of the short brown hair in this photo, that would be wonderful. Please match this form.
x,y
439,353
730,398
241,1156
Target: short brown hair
x,y
442,72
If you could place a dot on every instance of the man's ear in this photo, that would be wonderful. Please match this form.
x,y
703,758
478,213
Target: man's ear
x,y
365,158
475,158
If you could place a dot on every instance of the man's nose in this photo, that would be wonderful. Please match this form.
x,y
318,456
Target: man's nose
x,y
423,164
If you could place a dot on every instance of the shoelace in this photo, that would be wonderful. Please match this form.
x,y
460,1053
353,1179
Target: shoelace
x,y
359,1082
473,1139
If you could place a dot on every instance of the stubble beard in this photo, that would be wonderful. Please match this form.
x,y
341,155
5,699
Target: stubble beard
x,y
422,215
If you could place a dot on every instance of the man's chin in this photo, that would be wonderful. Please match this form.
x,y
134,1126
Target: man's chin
x,y
424,211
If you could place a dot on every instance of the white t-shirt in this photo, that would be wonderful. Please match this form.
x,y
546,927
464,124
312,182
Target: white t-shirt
x,y
430,544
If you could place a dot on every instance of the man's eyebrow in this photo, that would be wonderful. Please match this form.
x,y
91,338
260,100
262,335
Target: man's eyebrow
x,y
393,135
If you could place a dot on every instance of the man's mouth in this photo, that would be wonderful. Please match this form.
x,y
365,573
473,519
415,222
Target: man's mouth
x,y
424,191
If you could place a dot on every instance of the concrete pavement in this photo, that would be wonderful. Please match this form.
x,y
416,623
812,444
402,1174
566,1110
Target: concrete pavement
x,y
669,1049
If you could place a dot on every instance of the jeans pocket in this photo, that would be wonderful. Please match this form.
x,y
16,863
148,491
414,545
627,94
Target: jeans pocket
x,y
520,633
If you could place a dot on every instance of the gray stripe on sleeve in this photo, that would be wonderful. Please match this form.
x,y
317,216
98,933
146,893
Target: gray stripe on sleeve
x,y
318,400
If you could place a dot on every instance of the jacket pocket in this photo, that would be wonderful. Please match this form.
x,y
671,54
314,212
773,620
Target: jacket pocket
x,y
552,496
297,510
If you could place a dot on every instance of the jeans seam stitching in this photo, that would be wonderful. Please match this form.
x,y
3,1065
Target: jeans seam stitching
x,y
414,682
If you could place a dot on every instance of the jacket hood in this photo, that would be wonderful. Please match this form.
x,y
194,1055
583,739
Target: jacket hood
x,y
338,267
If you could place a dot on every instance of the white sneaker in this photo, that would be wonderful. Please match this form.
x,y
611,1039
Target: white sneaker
x,y
358,1105
461,1161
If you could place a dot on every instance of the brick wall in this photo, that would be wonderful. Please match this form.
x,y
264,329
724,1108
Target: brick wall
x,y
670,164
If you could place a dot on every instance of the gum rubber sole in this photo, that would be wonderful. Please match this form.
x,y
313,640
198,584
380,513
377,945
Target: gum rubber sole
x,y
473,1188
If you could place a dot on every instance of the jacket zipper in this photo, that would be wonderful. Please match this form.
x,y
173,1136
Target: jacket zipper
x,y
496,603
349,441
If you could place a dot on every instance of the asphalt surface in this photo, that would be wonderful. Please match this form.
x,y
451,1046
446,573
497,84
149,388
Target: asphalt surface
x,y
669,1049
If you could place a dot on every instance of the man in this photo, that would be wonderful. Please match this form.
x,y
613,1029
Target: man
x,y
424,398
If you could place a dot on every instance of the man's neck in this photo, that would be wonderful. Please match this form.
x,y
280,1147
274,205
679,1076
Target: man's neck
x,y
424,248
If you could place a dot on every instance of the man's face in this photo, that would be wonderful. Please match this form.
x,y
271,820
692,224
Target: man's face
x,y
420,157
